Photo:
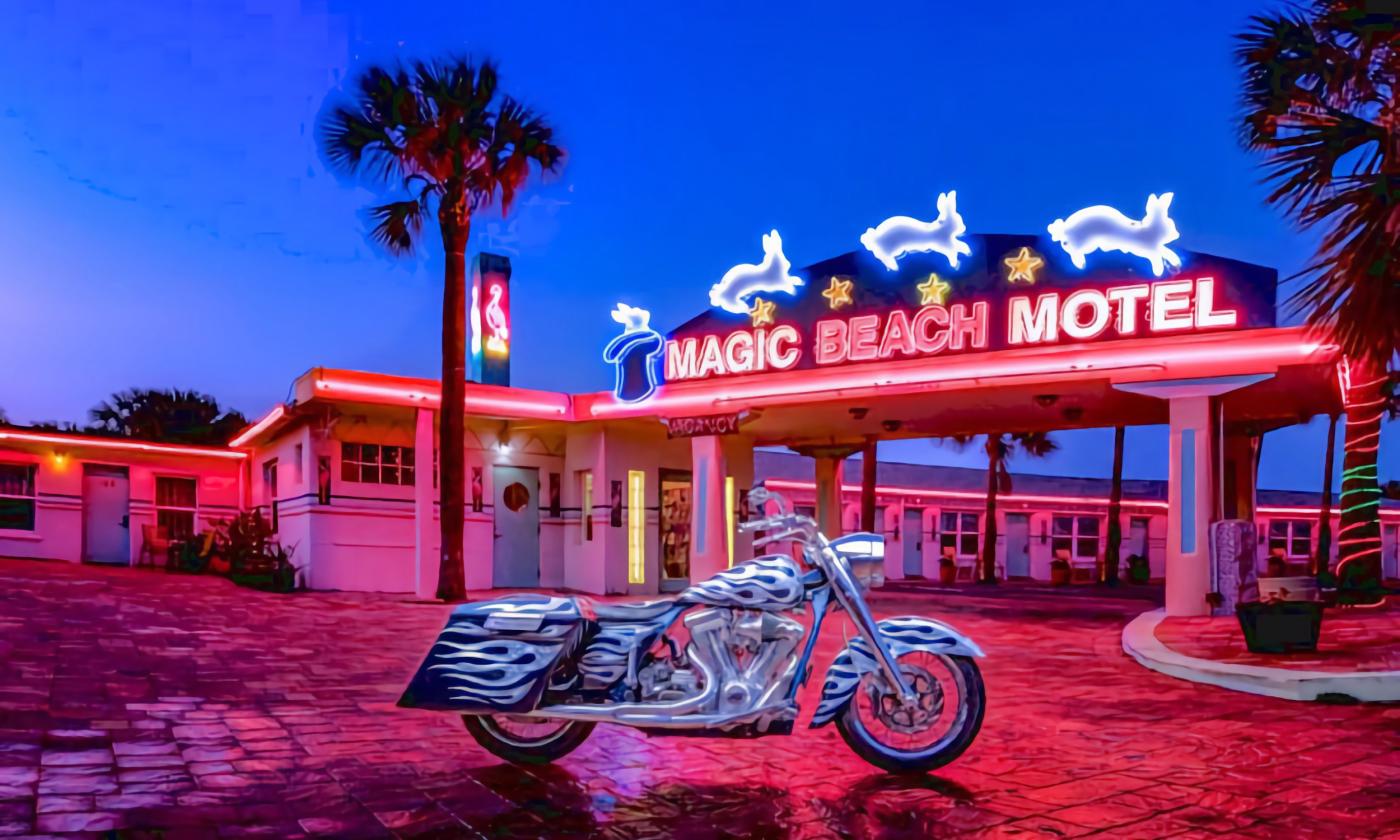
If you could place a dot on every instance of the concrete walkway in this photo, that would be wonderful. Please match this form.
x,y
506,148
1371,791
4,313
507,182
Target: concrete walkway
x,y
175,706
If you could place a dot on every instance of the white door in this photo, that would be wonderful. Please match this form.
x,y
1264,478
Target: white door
x,y
913,533
1137,542
516,555
106,514
1018,545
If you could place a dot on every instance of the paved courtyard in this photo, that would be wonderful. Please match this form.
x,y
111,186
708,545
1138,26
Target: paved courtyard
x,y
176,706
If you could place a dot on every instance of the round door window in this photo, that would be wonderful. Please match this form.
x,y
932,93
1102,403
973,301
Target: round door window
x,y
515,497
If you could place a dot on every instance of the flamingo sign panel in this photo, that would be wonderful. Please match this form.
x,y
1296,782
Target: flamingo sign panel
x,y
490,319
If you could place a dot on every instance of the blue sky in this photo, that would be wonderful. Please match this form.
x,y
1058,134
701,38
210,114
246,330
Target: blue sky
x,y
167,220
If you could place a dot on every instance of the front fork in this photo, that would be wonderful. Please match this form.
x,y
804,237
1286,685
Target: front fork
x,y
848,594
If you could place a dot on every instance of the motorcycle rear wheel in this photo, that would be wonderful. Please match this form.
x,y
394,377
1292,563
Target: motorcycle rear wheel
x,y
511,737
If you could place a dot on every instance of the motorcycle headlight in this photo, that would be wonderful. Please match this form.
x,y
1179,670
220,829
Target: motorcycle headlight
x,y
866,555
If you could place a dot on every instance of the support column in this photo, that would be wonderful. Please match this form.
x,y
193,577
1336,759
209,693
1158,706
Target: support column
x,y
869,462
425,555
828,477
1193,482
1190,500
709,541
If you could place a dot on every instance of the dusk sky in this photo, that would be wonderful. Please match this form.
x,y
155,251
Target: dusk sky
x,y
167,219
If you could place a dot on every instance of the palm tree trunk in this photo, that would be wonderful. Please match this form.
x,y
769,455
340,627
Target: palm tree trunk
x,y
988,571
452,413
1359,539
1324,514
1113,544
868,464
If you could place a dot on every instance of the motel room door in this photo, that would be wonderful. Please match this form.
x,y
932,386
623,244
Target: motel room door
x,y
913,530
1137,539
675,529
1018,545
106,514
516,550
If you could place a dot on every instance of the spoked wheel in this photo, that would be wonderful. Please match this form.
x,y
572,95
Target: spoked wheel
x,y
928,733
527,740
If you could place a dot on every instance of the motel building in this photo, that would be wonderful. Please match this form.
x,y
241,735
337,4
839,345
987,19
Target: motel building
x,y
637,490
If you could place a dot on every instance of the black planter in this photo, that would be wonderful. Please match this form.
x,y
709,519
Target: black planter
x,y
1280,626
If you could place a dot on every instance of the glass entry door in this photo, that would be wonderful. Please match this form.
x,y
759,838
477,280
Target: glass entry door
x,y
675,507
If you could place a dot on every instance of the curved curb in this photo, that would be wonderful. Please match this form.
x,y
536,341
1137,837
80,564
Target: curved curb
x,y
1141,643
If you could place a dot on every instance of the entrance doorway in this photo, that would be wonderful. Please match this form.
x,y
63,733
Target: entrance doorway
x,y
106,515
516,549
913,529
1137,538
1018,545
1390,555
675,507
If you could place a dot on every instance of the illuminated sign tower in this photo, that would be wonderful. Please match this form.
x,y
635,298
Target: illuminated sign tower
x,y
490,319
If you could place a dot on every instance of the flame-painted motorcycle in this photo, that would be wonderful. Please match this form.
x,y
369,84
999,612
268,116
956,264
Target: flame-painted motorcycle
x,y
532,674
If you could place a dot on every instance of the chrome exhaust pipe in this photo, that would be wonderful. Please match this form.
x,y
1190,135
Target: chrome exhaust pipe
x,y
652,714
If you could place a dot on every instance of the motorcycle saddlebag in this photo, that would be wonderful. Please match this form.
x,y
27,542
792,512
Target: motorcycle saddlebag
x,y
496,656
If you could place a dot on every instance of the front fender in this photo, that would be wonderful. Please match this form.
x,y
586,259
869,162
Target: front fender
x,y
902,635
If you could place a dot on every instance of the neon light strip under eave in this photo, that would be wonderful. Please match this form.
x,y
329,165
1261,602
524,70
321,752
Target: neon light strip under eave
x,y
129,445
543,407
917,492
257,428
714,393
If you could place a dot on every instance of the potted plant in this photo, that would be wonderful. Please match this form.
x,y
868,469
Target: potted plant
x,y
947,570
1059,570
254,556
1139,572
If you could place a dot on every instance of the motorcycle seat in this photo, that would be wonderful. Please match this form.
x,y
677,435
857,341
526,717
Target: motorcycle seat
x,y
635,611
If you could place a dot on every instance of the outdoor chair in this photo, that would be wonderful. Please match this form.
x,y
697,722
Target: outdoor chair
x,y
1082,569
155,542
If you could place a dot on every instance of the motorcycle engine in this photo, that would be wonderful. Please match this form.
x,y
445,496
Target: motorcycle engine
x,y
751,653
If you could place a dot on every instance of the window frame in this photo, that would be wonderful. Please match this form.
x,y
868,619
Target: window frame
x,y
1289,536
1075,535
406,473
958,533
32,497
157,507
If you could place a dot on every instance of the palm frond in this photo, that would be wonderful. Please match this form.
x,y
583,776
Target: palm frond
x,y
397,225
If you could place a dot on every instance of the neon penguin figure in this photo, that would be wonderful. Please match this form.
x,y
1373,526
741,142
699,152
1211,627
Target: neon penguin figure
x,y
633,354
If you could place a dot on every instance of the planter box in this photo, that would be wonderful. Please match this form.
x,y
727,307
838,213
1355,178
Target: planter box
x,y
1280,626
1293,588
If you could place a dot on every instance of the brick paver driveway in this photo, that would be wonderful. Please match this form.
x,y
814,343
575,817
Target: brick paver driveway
x,y
183,706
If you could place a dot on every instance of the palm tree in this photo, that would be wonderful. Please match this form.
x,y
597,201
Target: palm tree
x,y
171,415
1113,540
443,137
1320,103
1000,448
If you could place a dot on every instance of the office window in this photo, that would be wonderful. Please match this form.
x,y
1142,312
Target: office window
x,y
636,526
176,505
371,463
958,530
1291,536
17,497
1077,536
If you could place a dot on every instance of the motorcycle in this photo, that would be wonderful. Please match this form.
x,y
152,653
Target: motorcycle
x,y
532,674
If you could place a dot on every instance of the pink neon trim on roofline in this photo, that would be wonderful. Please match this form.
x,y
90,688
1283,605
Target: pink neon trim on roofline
x,y
109,443
277,412
544,406
795,484
1101,358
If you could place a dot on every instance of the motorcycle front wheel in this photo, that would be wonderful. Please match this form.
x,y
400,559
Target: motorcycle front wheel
x,y
936,728
527,740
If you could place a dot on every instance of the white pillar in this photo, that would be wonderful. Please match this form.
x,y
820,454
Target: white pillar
x,y
709,542
425,554
1190,503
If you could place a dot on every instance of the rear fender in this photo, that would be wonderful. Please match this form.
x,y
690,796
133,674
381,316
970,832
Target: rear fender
x,y
901,635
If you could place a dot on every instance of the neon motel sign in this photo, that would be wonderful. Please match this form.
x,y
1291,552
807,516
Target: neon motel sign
x,y
1034,319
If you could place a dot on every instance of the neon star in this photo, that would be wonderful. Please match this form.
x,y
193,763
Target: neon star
x,y
838,294
762,312
933,290
1022,267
